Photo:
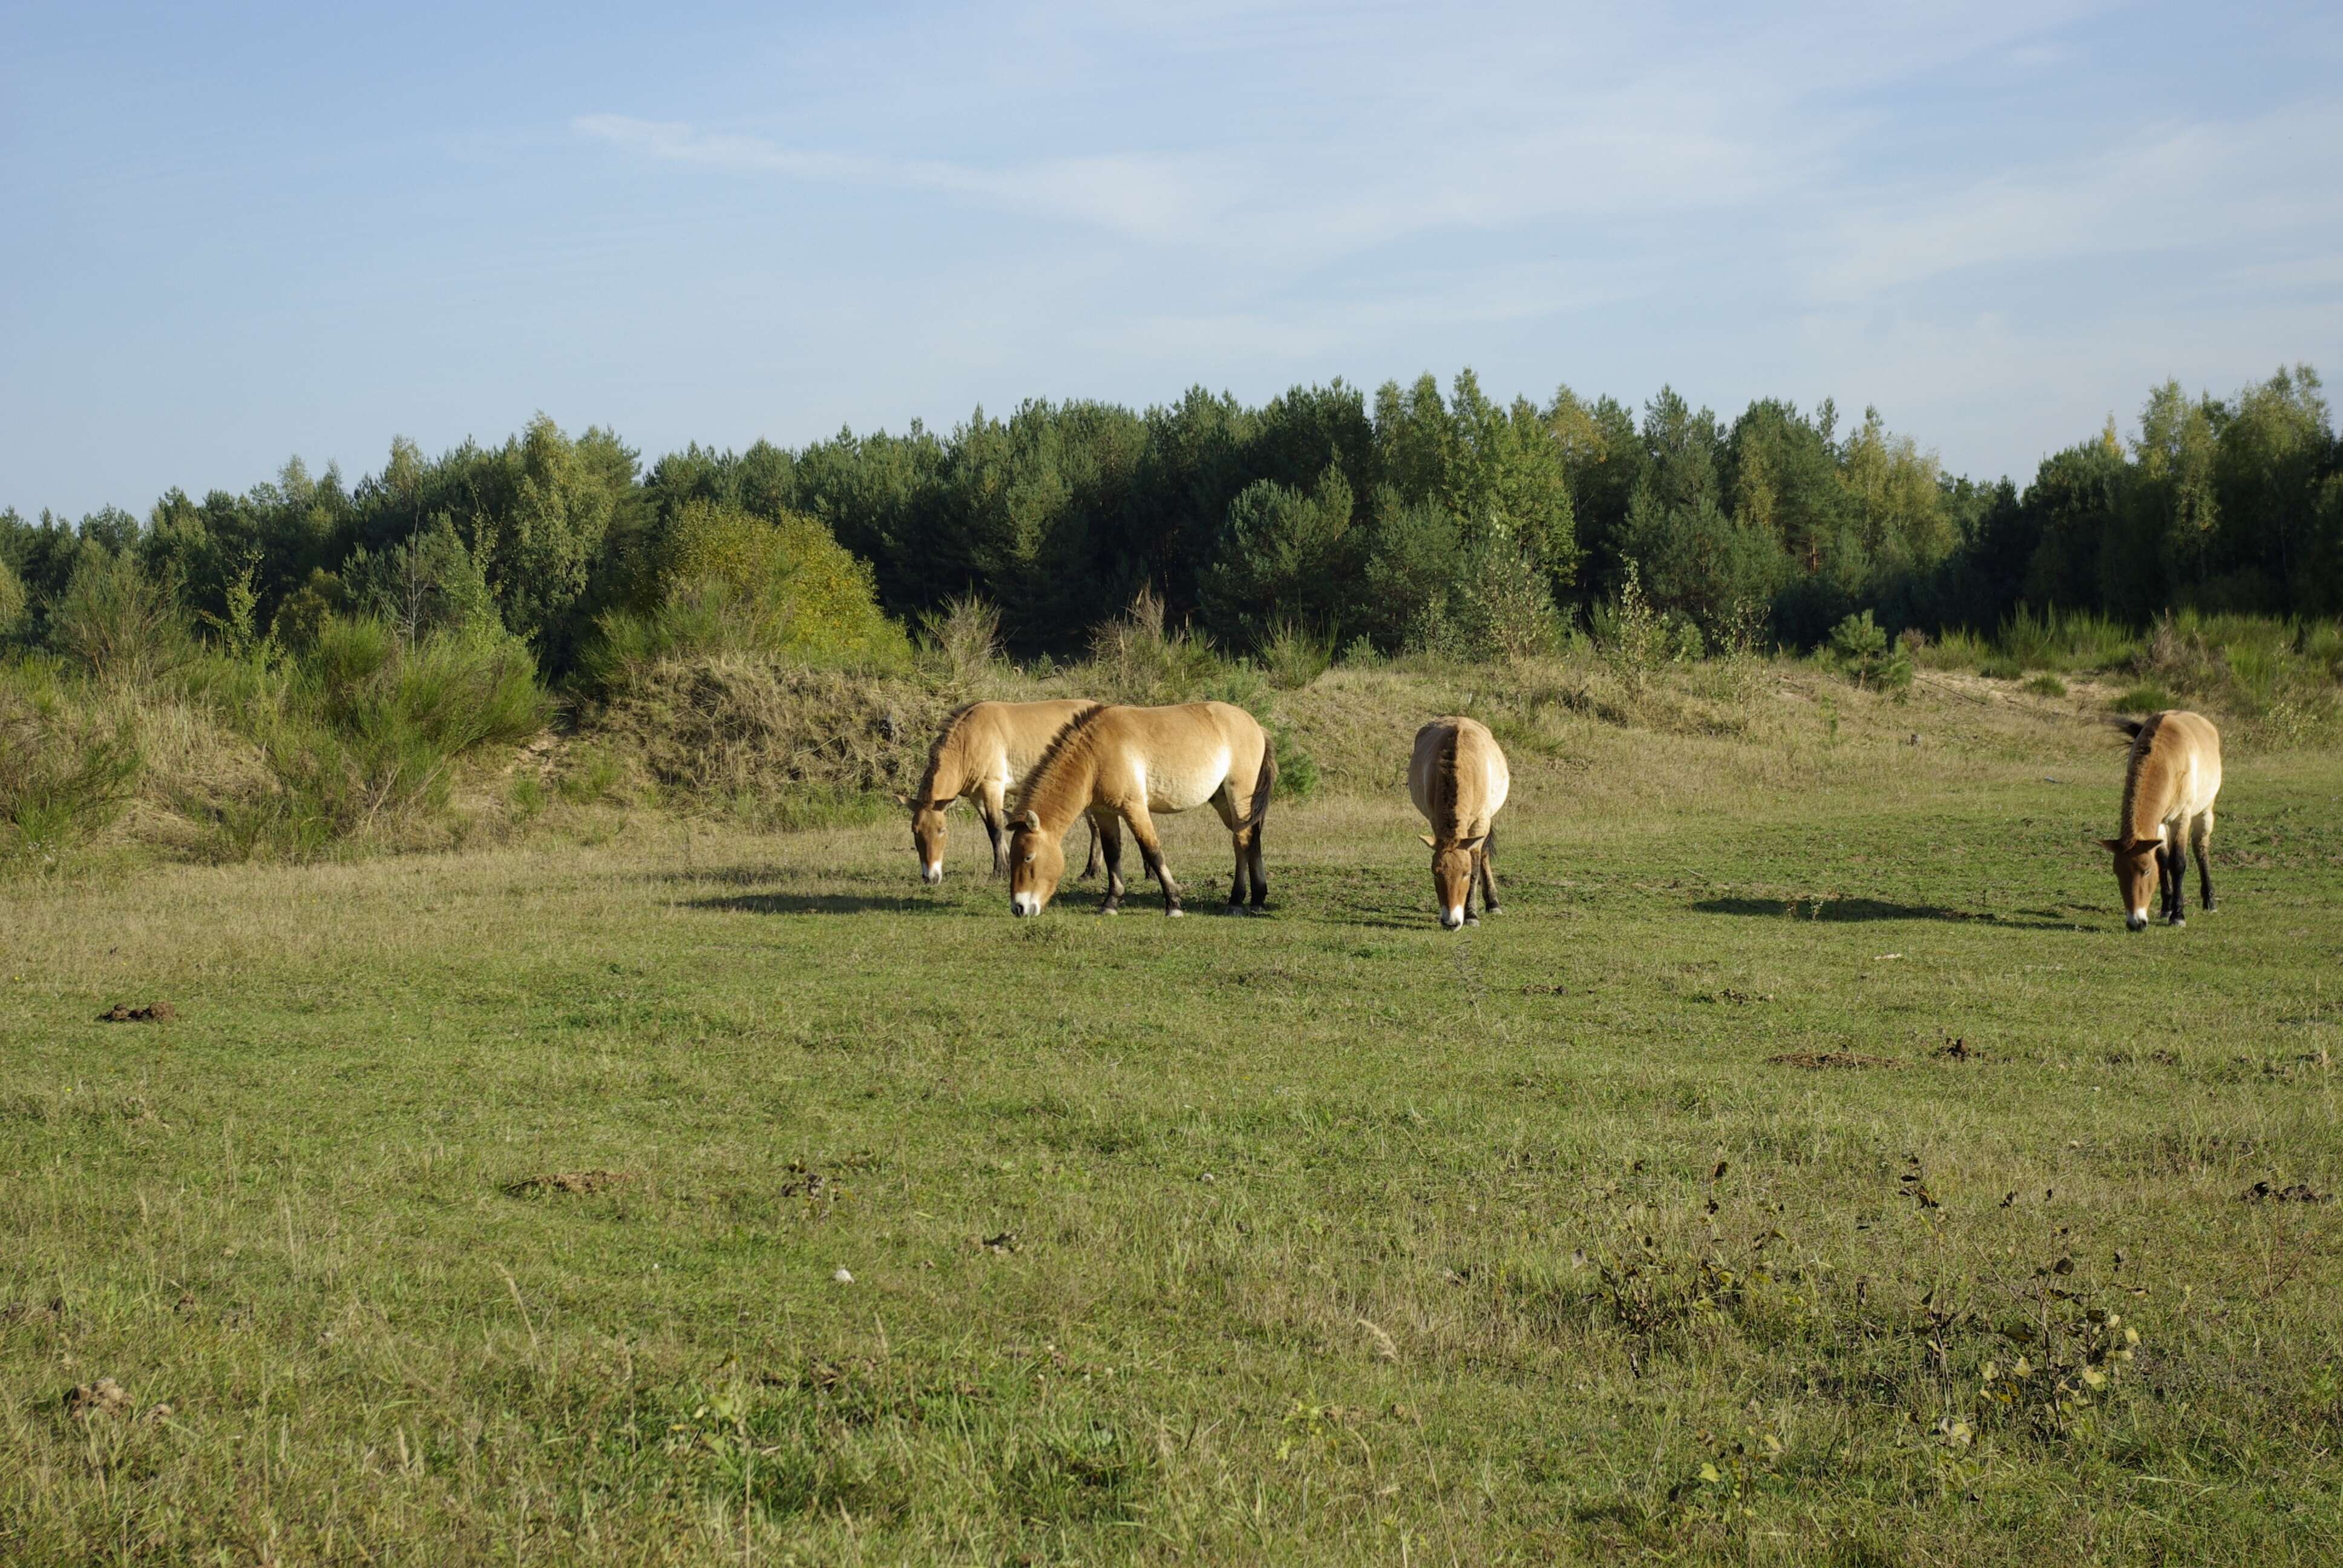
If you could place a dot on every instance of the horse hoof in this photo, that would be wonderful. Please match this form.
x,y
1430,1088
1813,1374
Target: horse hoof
x,y
1110,909
1175,914
1471,919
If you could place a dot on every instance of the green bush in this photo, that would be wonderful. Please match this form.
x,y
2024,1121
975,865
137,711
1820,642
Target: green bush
x,y
963,639
1294,658
1135,658
12,601
2144,699
1861,649
725,580
118,620
364,727
2046,684
64,773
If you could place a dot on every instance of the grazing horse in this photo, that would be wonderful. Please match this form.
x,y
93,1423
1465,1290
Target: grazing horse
x,y
1459,780
1122,765
2167,804
982,752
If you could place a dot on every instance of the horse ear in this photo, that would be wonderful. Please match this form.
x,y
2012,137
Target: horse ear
x,y
902,799
2113,844
1028,819
1429,841
1473,844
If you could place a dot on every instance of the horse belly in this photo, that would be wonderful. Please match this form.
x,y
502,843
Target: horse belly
x,y
1185,786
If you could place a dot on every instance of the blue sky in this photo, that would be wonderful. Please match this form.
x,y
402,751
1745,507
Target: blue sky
x,y
236,234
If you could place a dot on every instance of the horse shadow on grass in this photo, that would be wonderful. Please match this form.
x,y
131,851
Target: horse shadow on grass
x,y
1853,911
826,904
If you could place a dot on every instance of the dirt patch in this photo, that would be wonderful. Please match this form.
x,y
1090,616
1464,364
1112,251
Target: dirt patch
x,y
1960,1051
104,1397
1825,1059
153,1012
2300,1193
575,1182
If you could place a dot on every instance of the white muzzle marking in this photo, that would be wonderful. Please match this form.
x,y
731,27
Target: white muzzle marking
x,y
933,873
1453,918
1024,903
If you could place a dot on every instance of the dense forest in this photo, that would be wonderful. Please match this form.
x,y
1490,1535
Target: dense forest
x,y
1411,520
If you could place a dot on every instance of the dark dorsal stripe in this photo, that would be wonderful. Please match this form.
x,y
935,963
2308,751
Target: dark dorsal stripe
x,y
1446,791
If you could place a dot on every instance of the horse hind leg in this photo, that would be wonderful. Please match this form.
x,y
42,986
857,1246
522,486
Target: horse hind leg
x,y
2201,830
1225,804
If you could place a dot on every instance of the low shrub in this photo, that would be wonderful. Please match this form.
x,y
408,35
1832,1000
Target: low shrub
x,y
365,727
963,640
2046,684
66,772
1294,658
1860,648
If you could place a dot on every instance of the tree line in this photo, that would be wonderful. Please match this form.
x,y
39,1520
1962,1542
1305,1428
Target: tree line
x,y
1418,518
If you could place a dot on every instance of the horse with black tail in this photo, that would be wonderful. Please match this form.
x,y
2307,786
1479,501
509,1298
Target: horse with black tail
x,y
1121,767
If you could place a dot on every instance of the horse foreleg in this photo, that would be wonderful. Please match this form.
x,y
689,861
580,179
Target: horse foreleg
x,y
1484,861
2176,903
988,808
2201,830
1106,833
1090,867
1150,849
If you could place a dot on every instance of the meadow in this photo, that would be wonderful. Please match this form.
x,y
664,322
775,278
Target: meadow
x,y
1803,1166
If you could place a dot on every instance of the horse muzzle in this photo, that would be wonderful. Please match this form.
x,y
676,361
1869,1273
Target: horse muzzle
x,y
2136,921
1451,920
932,874
1024,904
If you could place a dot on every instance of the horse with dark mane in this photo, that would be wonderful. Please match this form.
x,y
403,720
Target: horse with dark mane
x,y
1119,766
982,751
2169,782
1459,780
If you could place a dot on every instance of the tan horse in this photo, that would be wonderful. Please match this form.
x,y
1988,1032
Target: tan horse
x,y
1123,765
1459,780
983,750
2167,804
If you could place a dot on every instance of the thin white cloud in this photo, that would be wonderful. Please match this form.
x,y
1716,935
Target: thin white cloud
x,y
1145,197
2182,187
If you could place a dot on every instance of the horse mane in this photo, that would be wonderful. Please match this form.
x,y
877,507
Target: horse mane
x,y
946,739
2142,732
1062,746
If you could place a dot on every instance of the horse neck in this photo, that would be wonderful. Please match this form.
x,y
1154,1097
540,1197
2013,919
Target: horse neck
x,y
1064,790
2150,785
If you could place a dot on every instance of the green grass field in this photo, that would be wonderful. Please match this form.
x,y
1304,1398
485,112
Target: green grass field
x,y
489,1207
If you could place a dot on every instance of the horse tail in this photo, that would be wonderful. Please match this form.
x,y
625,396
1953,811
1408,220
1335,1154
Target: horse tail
x,y
2130,726
1264,783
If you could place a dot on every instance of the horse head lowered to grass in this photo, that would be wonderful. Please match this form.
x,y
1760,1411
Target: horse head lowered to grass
x,y
2169,782
1459,780
1121,766
981,753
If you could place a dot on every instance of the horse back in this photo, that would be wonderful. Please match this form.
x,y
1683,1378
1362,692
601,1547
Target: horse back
x,y
1457,762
